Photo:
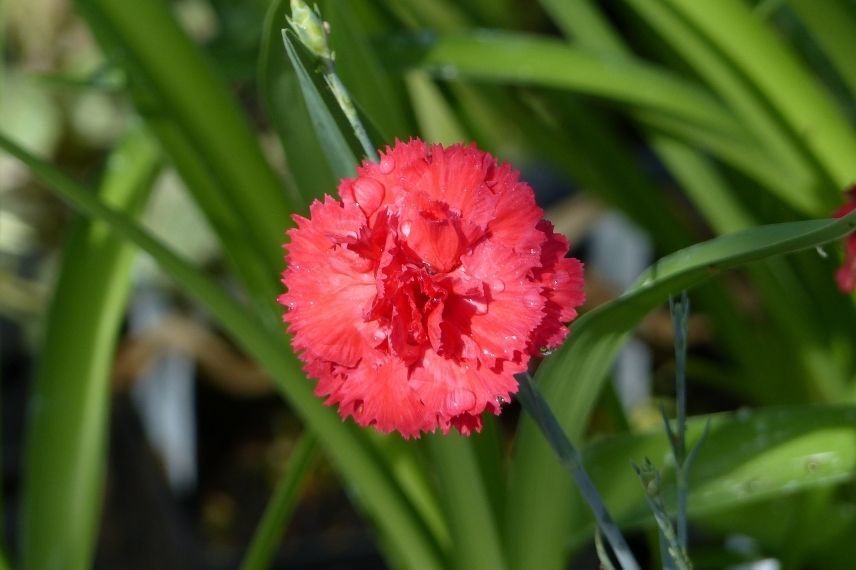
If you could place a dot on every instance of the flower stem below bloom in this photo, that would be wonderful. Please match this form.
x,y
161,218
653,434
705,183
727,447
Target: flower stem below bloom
x,y
535,405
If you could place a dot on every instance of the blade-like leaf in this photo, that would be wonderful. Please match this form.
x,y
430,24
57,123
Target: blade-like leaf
x,y
832,23
281,505
472,524
333,143
158,56
747,456
759,53
518,58
283,103
67,424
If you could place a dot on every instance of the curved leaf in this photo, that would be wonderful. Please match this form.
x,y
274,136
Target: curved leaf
x,y
571,379
533,60
282,99
775,71
159,56
747,456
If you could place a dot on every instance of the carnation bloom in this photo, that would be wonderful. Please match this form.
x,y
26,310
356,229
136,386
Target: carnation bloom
x,y
846,275
416,297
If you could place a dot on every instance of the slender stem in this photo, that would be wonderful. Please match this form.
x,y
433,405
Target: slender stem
x,y
674,555
343,98
680,317
602,554
535,405
313,32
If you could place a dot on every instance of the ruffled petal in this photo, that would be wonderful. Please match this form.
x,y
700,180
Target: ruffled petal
x,y
416,299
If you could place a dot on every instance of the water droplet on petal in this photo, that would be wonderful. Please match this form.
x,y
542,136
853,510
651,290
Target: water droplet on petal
x,y
387,164
532,298
500,400
497,285
479,305
461,400
405,229
379,335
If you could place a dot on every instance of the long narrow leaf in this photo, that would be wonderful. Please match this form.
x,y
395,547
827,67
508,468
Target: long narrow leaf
x,y
518,58
283,103
67,425
333,143
748,456
146,39
281,505
756,50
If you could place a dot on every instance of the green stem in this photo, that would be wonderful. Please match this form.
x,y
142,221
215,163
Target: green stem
x,y
674,554
680,317
343,98
535,405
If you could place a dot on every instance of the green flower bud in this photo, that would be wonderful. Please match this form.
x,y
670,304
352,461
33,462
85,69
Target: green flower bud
x,y
309,28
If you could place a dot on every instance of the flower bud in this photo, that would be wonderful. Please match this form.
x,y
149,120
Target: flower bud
x,y
309,27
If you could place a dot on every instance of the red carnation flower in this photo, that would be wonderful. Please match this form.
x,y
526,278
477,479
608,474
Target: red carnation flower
x,y
416,297
846,275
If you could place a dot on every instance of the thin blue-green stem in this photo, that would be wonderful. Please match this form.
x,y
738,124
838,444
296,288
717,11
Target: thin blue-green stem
x,y
537,407
281,505
674,555
680,316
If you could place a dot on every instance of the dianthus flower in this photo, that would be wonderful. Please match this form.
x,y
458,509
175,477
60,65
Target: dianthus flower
x,y
846,275
416,297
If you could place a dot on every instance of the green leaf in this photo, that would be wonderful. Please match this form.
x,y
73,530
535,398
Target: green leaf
x,y
799,181
157,55
532,60
831,23
437,121
758,53
748,456
67,423
281,505
472,524
380,496
333,143
283,103
584,22
571,379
